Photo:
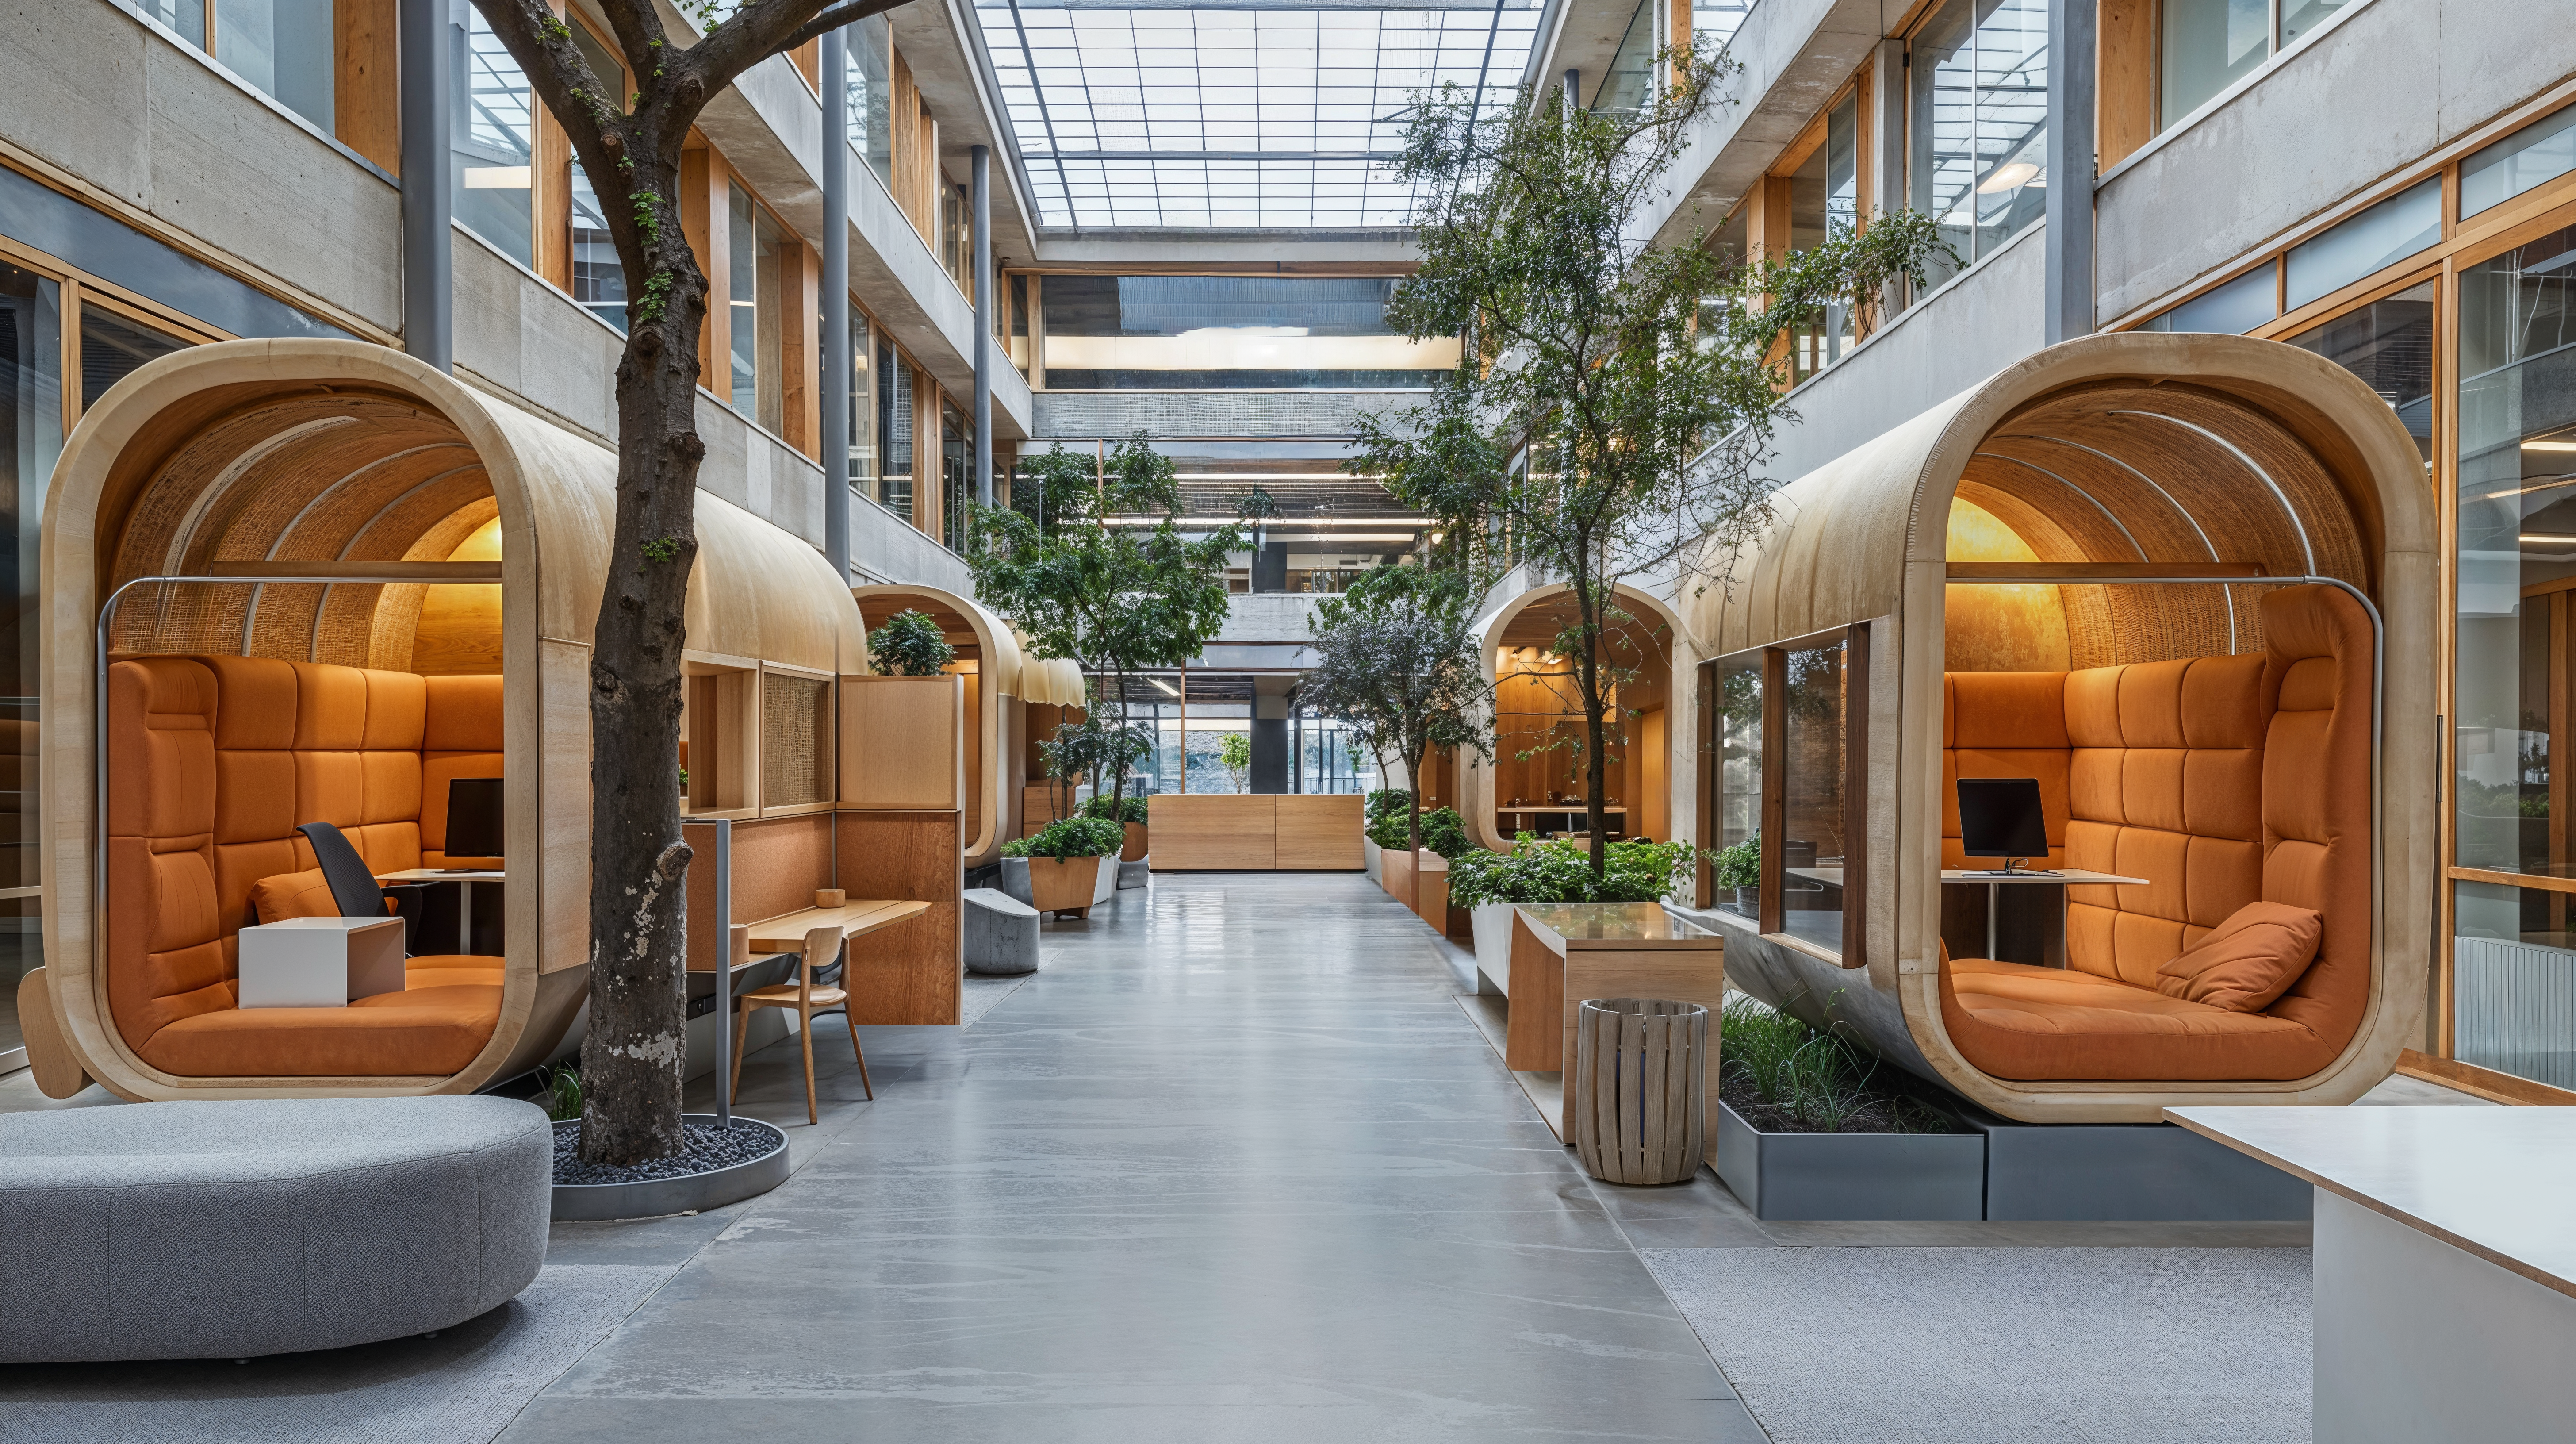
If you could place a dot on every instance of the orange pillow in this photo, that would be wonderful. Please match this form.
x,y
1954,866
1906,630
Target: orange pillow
x,y
2251,959
293,895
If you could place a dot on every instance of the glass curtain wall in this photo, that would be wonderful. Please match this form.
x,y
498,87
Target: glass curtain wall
x,y
2514,958
598,278
31,437
2389,345
1630,84
494,140
285,48
755,246
1977,129
2208,45
956,476
113,346
894,431
1737,774
862,440
870,79
1824,199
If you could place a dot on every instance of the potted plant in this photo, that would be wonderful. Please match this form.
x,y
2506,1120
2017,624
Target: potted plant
x,y
1487,884
1057,870
1740,867
1377,807
1130,814
909,645
1810,1125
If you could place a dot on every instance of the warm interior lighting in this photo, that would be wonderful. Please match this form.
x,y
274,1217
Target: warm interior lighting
x,y
2550,538
2549,446
1166,688
496,177
2008,176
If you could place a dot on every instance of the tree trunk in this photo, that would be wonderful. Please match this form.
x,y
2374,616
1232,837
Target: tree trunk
x,y
631,1060
1595,772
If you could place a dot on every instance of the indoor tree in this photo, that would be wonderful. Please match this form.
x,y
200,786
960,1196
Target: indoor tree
x,y
1090,562
1397,654
1641,384
629,145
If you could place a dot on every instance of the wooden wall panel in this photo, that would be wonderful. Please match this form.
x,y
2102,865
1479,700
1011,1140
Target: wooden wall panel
x,y
912,972
1318,832
2125,105
800,272
903,743
705,217
459,631
1216,832
366,98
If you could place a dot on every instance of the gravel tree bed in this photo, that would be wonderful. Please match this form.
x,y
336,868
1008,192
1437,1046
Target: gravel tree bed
x,y
708,1149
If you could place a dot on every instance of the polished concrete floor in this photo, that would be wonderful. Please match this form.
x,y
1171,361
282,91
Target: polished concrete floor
x,y
1234,1167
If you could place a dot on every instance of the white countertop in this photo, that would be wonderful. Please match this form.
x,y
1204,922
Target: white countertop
x,y
2497,1182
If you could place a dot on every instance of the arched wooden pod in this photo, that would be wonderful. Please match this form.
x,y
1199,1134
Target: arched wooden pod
x,y
255,452
997,718
2135,448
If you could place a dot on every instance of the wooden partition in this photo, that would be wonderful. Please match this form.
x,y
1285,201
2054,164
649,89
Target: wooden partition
x,y
1257,832
899,831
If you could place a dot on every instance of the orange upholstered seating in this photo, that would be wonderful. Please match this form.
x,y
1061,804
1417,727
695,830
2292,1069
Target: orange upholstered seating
x,y
2222,780
213,762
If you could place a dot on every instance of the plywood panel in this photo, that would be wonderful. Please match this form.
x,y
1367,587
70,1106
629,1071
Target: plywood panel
x,y
912,972
459,632
903,743
1533,1039
1216,832
563,805
1314,832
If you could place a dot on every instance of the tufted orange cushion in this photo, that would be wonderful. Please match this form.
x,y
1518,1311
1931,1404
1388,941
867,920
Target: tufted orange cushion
x,y
293,895
2249,960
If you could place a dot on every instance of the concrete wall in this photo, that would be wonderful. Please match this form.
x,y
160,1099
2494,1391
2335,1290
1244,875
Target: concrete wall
x,y
2394,81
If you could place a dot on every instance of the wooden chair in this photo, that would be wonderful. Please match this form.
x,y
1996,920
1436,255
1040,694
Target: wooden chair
x,y
822,946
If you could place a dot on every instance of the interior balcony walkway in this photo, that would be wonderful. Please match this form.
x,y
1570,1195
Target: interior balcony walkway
x,y
1234,1166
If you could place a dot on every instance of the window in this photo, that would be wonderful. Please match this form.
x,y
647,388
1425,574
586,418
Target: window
x,y
2389,345
870,76
493,146
2541,151
114,346
1825,198
862,440
1630,84
284,48
1737,771
1813,770
2232,309
598,279
1713,25
1266,332
57,225
2513,955
957,237
1978,127
754,243
894,430
2379,237
956,476
1017,346
31,436
2209,45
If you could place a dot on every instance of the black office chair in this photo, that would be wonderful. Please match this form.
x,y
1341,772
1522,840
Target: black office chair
x,y
354,889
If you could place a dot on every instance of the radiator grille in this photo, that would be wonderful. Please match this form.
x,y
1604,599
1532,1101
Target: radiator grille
x,y
2516,1009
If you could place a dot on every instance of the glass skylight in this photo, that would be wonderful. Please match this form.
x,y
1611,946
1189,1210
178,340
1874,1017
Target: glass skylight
x,y
1234,116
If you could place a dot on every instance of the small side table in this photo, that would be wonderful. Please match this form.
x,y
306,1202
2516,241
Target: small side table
x,y
319,962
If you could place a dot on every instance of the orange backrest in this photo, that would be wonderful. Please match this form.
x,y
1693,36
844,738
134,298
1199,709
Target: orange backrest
x,y
2004,724
463,739
2166,784
213,762
2317,795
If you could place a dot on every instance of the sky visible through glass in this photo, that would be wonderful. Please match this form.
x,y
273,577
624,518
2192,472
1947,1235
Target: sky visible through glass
x,y
1233,116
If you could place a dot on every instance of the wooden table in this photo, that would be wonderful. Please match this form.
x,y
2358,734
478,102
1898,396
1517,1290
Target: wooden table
x,y
2445,1294
785,933
1564,953
2038,934
464,878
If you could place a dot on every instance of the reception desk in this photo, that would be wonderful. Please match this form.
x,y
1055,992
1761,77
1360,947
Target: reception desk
x,y
1256,832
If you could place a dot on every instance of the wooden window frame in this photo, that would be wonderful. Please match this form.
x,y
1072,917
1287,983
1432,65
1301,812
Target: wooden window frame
x,y
1854,638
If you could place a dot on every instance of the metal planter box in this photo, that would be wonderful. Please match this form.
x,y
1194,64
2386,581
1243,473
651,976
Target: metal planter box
x,y
1818,1176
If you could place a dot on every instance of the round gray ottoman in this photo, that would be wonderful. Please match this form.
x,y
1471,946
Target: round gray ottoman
x,y
224,1230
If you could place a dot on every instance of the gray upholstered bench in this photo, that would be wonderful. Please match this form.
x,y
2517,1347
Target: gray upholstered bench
x,y
1001,933
225,1230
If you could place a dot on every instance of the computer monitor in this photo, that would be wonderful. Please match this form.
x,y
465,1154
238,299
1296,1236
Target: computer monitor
x,y
2001,817
474,817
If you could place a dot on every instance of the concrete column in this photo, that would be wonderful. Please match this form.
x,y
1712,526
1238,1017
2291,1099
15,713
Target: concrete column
x,y
1887,153
2071,86
1270,739
1270,566
1573,91
836,302
982,158
428,264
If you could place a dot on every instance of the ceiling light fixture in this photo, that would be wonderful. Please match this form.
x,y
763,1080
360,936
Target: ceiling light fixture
x,y
1166,688
2547,538
2008,176
2549,446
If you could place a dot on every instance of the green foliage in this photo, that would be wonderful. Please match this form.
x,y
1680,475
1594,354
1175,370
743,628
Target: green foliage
x,y
559,1093
1397,659
1394,830
1234,754
1547,872
1130,809
910,645
662,549
1385,801
1740,865
1070,837
1445,832
1804,1079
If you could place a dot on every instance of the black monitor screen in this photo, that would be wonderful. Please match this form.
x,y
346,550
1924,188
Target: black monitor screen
x,y
2001,817
474,817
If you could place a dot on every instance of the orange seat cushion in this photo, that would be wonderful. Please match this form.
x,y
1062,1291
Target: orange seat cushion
x,y
2034,1024
2250,959
422,1030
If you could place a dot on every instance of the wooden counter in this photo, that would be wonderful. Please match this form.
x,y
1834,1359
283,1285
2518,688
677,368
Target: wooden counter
x,y
1256,832
1564,953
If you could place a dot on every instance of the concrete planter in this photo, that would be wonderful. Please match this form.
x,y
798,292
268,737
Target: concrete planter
x,y
656,1197
1104,880
1134,851
1369,861
1137,873
1490,924
1852,1175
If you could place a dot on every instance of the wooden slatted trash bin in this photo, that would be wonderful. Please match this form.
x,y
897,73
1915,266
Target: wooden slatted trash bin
x,y
1638,1094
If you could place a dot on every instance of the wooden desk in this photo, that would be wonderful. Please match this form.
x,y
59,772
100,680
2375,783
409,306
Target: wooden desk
x,y
1564,953
2445,1273
465,881
2037,934
785,933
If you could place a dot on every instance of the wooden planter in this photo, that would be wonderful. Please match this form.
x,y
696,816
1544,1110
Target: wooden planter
x,y
1431,889
1134,851
1635,1100
1064,884
1395,868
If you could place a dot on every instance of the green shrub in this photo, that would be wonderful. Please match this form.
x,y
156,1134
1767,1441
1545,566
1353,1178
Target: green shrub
x,y
1445,832
1805,1079
1547,872
1108,809
1071,837
1384,801
910,645
1740,865
560,1093
1392,830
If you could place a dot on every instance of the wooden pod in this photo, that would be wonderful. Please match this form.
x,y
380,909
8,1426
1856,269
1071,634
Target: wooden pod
x,y
2102,459
996,721
310,457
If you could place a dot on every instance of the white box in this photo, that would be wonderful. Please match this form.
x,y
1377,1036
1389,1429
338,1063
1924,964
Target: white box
x,y
320,962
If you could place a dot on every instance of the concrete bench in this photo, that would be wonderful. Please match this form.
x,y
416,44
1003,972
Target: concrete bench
x,y
1001,933
227,1230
